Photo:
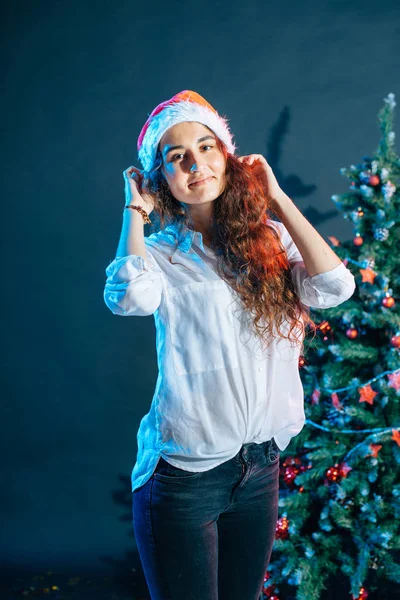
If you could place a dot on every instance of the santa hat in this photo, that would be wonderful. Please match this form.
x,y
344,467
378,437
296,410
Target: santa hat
x,y
184,106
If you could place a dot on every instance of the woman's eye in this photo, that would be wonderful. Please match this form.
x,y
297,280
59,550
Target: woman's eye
x,y
176,156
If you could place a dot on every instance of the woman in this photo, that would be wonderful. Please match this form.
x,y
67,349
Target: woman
x,y
229,289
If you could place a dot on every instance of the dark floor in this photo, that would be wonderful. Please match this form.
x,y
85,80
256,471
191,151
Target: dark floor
x,y
132,586
61,586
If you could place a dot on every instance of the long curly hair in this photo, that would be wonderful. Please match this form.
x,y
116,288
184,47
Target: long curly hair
x,y
250,255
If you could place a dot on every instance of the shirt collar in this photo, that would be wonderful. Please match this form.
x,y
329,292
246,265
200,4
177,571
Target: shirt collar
x,y
185,236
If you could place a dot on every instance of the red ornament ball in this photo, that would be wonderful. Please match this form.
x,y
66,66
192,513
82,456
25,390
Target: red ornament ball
x,y
267,591
358,240
352,333
333,473
292,460
374,180
388,301
289,475
362,594
395,341
282,528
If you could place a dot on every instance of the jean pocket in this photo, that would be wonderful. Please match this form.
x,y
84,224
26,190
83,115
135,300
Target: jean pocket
x,y
164,471
273,452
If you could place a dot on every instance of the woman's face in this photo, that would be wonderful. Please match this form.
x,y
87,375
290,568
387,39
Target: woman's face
x,y
196,158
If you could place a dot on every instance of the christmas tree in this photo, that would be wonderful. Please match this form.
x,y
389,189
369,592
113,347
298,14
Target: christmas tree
x,y
339,480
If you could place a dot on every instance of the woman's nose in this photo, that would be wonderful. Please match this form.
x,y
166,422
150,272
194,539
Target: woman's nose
x,y
196,162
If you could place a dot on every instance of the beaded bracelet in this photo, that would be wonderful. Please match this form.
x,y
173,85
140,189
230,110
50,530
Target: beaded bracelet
x,y
141,210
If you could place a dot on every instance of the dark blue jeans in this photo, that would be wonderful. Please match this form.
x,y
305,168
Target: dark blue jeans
x,y
209,535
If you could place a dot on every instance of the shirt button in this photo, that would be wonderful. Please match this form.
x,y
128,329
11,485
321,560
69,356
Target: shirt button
x,y
260,368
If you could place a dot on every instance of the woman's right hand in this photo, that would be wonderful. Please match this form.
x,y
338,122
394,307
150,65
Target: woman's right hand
x,y
136,191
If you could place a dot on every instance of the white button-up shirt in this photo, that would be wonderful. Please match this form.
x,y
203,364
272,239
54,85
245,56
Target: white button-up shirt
x,y
217,388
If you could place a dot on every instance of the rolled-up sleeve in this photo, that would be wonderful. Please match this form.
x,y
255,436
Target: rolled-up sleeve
x,y
133,286
323,290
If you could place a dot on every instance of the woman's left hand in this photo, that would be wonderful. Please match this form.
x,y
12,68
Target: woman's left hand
x,y
263,172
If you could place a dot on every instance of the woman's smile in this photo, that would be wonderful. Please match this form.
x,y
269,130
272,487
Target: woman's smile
x,y
202,182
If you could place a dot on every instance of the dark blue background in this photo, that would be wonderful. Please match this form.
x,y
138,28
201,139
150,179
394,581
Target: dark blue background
x,y
300,82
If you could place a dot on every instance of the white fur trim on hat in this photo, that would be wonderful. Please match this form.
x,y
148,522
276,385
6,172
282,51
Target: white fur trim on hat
x,y
180,112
